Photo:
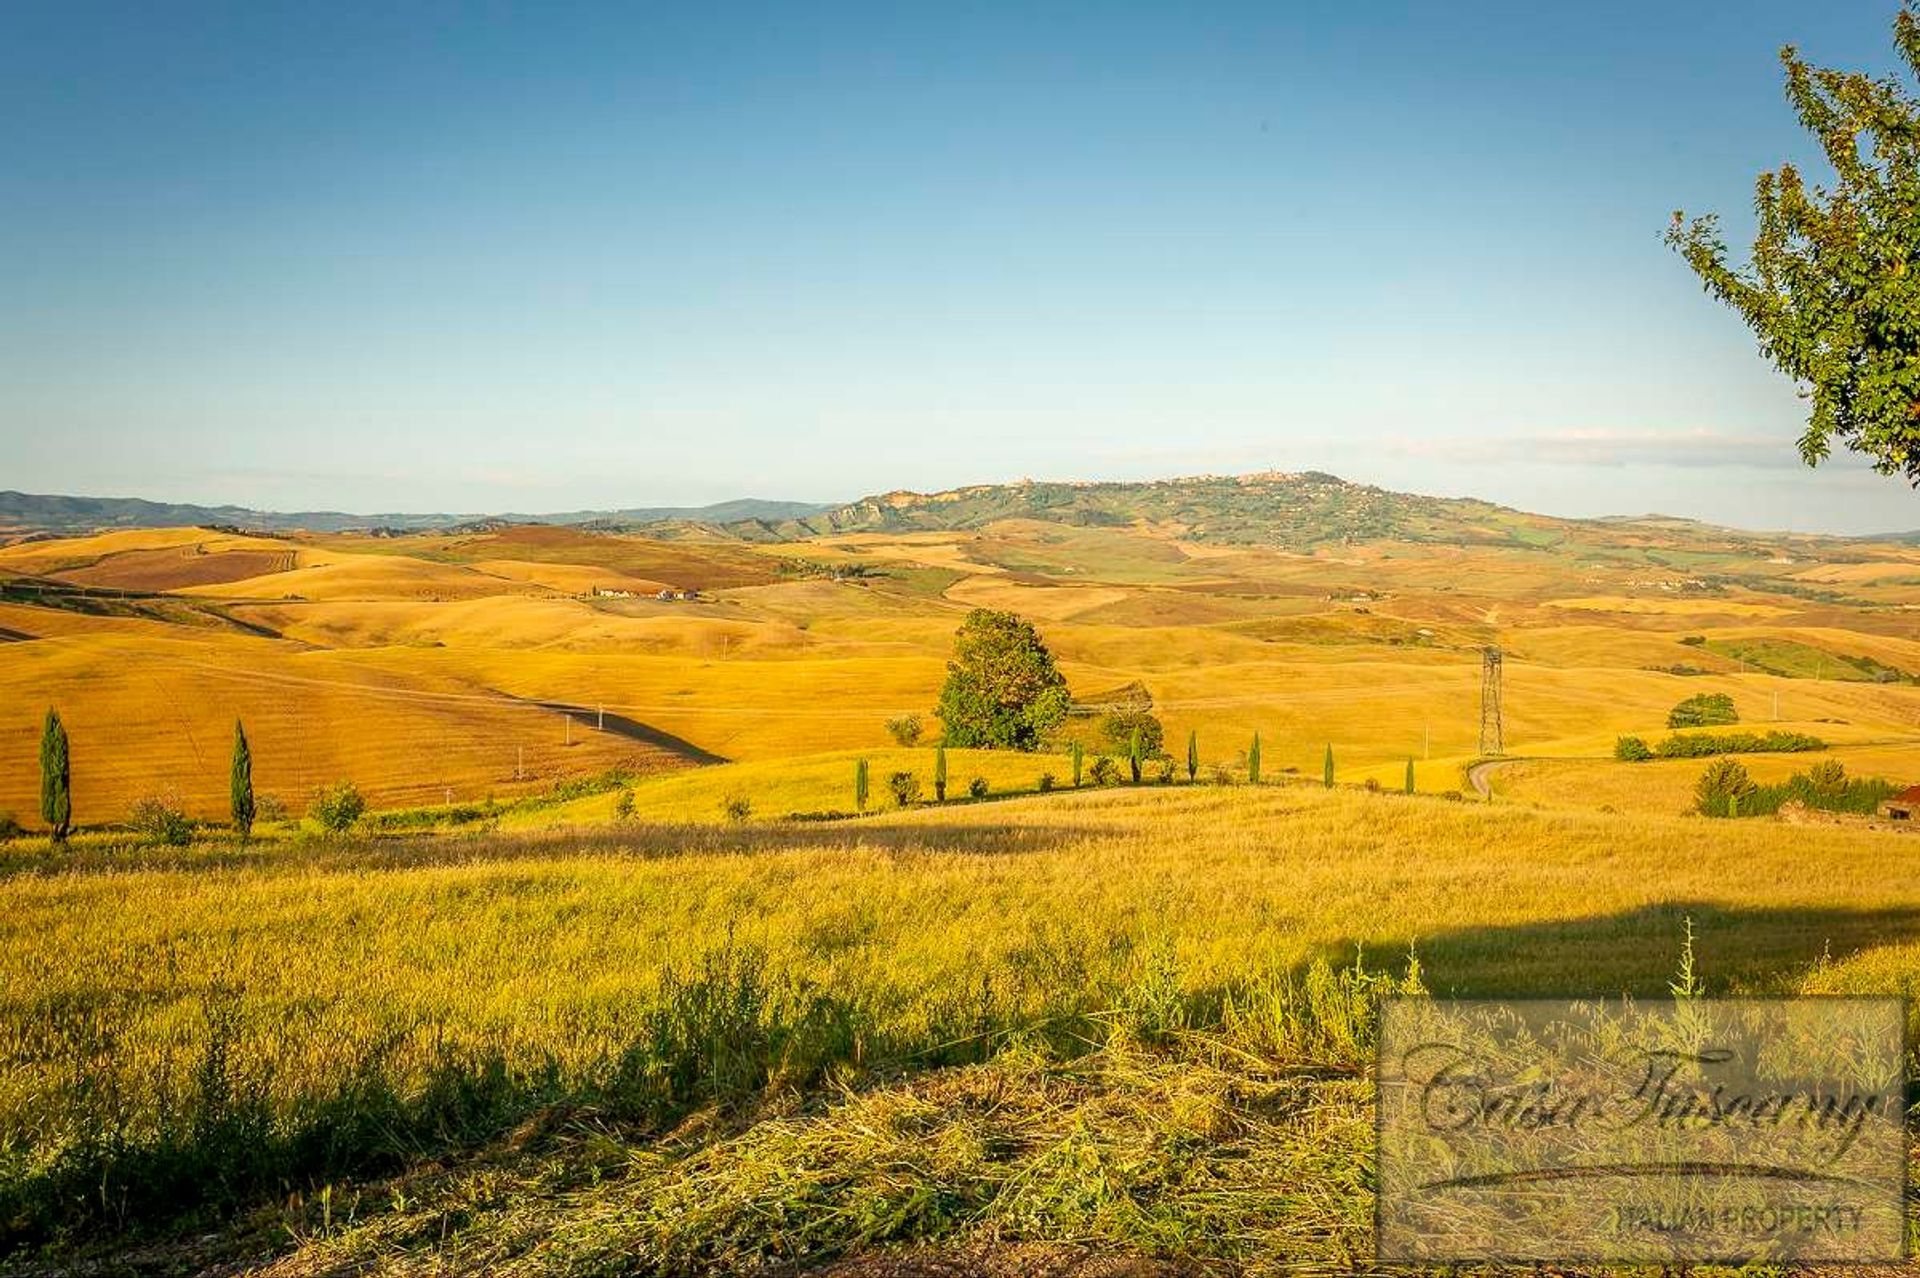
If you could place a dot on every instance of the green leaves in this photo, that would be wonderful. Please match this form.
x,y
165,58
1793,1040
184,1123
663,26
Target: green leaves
x,y
56,778
1832,288
1002,689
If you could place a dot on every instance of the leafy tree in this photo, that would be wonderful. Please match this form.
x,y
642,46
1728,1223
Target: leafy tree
x,y
978,788
905,788
1122,726
1253,761
1326,769
1831,288
337,807
1193,755
1409,783
860,785
940,773
1134,756
1078,756
1046,782
56,778
905,730
1002,689
1722,788
1708,709
735,808
1105,771
240,783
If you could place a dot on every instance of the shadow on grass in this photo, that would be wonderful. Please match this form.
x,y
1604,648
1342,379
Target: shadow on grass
x,y
642,841
1737,950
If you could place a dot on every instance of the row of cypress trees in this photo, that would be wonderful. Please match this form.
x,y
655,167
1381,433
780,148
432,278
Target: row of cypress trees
x,y
1136,759
56,779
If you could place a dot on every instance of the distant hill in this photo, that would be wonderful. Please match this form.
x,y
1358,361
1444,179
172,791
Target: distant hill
x,y
84,514
1304,509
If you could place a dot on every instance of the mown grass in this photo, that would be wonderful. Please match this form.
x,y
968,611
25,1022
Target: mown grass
x,y
183,1034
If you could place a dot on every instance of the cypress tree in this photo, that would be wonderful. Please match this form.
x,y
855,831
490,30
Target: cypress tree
x,y
240,783
56,778
1409,785
1193,755
1326,769
1075,753
1253,761
940,773
860,785
1133,756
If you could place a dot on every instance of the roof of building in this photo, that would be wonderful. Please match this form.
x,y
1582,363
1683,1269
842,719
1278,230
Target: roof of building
x,y
1910,795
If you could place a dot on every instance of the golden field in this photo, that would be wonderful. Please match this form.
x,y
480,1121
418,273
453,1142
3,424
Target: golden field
x,y
670,1006
418,666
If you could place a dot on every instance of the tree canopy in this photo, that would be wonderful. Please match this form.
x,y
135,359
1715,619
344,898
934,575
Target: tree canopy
x,y
1832,288
1002,689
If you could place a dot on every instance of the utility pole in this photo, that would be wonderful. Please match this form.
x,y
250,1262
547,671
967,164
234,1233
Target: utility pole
x,y
569,718
519,760
449,796
1492,731
601,724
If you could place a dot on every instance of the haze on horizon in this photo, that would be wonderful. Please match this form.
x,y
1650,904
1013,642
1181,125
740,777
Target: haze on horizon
x,y
542,259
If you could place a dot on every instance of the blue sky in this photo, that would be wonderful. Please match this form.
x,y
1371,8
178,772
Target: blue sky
x,y
538,257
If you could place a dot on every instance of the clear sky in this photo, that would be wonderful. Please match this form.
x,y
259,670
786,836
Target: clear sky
x,y
548,256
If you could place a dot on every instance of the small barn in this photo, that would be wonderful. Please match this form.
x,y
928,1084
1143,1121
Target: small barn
x,y
1904,806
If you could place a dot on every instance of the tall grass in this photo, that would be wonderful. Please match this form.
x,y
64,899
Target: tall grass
x,y
185,1032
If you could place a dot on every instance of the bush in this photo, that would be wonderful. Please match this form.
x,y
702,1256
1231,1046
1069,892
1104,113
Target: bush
x,y
269,807
905,730
977,788
10,826
737,808
1695,641
1723,788
905,788
159,821
623,805
1700,745
1631,750
1046,782
1163,769
1707,710
1221,774
1104,771
336,807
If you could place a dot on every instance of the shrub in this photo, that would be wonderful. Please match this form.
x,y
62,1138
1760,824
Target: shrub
x,y
1104,771
337,807
269,807
623,805
1828,776
905,730
1221,774
737,808
10,826
1631,750
977,788
1700,745
1709,709
1163,769
160,821
1046,782
1722,788
1695,641
905,788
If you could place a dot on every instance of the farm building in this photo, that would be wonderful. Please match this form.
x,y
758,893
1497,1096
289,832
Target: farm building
x,y
1902,806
